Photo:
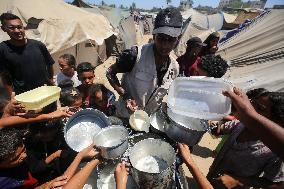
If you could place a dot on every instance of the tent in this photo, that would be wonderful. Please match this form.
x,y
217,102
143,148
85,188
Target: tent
x,y
214,21
129,32
199,25
232,21
256,53
80,3
189,31
114,15
62,27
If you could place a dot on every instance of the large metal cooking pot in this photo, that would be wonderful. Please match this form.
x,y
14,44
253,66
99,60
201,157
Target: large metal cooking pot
x,y
112,141
141,158
185,129
81,128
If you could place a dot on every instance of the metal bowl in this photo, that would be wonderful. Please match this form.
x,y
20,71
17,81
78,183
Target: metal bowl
x,y
82,127
112,141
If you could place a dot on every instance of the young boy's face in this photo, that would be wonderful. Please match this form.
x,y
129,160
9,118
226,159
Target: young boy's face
x,y
87,78
15,159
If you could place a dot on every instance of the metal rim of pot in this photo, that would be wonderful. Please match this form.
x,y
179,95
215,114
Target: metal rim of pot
x,y
112,152
148,139
84,113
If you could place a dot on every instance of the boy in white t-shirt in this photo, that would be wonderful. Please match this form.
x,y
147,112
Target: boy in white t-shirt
x,y
67,64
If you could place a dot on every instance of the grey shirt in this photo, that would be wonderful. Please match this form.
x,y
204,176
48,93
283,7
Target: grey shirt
x,y
246,159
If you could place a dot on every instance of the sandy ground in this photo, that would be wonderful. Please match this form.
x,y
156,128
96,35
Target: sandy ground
x,y
202,153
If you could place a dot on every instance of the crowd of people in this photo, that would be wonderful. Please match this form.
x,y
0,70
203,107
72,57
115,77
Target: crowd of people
x,y
34,154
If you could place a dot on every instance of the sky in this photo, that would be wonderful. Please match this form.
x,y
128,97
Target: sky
x,y
148,4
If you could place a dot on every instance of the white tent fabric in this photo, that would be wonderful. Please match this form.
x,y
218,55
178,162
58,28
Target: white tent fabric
x,y
257,53
191,30
229,18
262,36
200,25
61,25
114,15
214,21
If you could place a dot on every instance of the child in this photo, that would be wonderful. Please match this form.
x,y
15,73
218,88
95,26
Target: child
x,y
86,75
70,96
209,66
102,99
211,44
15,163
67,64
244,160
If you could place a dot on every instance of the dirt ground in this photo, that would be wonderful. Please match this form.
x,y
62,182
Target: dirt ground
x,y
202,153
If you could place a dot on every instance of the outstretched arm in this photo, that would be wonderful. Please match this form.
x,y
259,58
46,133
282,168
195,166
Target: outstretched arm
x,y
264,128
197,174
87,152
78,180
14,120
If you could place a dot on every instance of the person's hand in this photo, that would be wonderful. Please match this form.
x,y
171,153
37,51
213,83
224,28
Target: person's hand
x,y
121,175
240,101
14,108
120,91
131,105
89,152
60,113
215,127
228,182
185,152
56,183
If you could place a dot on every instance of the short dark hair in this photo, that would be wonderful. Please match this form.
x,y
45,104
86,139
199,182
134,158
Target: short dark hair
x,y
255,93
276,98
68,94
10,140
215,66
71,61
277,109
85,67
8,16
94,89
98,87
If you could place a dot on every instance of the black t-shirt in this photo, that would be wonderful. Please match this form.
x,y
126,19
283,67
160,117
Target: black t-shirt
x,y
27,65
127,59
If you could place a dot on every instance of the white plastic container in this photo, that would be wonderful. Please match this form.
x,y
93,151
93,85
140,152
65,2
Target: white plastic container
x,y
199,97
39,97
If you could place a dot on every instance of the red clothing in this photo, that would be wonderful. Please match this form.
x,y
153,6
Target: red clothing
x,y
17,177
85,96
186,63
30,182
194,67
